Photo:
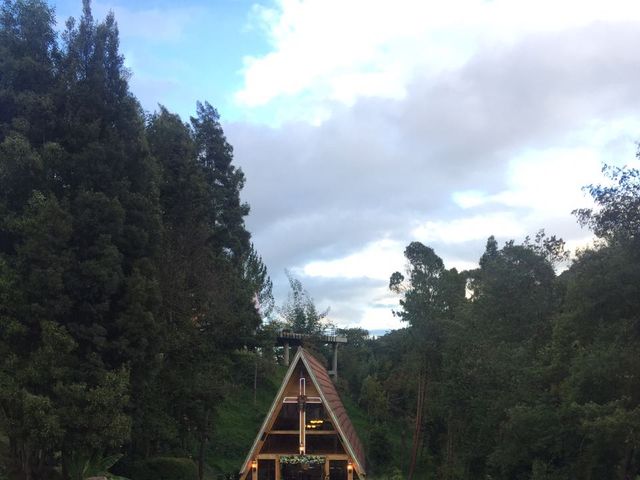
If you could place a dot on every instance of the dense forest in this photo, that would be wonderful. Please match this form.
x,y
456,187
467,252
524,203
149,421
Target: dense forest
x,y
137,322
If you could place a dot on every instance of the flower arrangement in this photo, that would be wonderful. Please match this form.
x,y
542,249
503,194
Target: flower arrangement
x,y
304,460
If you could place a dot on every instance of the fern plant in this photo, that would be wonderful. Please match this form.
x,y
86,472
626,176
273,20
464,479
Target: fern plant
x,y
83,468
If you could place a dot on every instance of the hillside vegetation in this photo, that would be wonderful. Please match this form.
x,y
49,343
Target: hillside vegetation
x,y
241,413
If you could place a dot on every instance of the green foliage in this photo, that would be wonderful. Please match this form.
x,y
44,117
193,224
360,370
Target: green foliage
x,y
165,468
126,271
77,236
84,468
355,359
299,313
430,293
379,452
619,203
521,381
302,459
254,272
215,155
240,418
374,400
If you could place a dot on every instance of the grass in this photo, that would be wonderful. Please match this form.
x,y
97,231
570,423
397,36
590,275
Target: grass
x,y
238,422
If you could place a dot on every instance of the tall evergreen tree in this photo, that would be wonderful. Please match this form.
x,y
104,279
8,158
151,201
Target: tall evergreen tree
x,y
80,237
209,277
227,210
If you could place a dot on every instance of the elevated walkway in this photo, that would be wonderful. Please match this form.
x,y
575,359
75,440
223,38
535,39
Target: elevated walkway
x,y
288,339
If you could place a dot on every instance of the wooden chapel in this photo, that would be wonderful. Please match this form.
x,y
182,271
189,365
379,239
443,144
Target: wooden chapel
x,y
306,434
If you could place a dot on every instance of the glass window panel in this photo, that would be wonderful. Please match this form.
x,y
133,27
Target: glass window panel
x,y
289,444
338,470
299,472
267,470
287,418
323,444
317,417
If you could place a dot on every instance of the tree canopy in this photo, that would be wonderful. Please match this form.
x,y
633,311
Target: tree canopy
x,y
127,272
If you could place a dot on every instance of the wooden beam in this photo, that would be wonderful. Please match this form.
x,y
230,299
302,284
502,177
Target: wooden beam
x,y
308,432
268,456
336,456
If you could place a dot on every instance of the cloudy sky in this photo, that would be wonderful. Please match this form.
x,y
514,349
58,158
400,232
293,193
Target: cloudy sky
x,y
362,125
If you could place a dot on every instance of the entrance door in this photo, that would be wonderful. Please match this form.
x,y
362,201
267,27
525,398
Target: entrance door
x,y
338,470
267,470
300,472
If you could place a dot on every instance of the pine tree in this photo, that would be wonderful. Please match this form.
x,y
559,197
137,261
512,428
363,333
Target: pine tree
x,y
80,230
209,274
215,155
126,271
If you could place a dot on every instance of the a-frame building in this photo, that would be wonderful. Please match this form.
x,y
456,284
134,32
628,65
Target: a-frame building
x,y
307,434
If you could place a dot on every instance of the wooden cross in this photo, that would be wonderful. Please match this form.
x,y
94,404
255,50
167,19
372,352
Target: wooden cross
x,y
302,400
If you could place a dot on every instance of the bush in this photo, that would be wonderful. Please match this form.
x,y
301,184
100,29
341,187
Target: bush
x,y
379,450
164,468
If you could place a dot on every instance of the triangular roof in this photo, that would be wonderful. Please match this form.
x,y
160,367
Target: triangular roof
x,y
331,400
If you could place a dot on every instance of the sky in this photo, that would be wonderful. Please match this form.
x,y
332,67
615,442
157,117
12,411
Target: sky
x,y
363,125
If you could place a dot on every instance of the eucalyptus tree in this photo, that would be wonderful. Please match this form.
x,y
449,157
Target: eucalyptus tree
x,y
431,298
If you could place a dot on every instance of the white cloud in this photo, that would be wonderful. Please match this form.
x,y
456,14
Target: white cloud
x,y
477,227
380,319
338,50
469,198
549,181
377,261
546,182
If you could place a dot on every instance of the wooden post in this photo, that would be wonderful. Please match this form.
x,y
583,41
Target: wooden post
x,y
349,471
254,470
335,361
277,467
286,354
326,468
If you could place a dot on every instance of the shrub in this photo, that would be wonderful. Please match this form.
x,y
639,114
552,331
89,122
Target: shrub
x,y
164,468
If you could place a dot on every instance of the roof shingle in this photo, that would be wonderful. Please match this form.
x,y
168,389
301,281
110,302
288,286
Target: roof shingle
x,y
335,404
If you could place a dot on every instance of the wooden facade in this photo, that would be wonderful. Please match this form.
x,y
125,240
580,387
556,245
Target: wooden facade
x,y
306,434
